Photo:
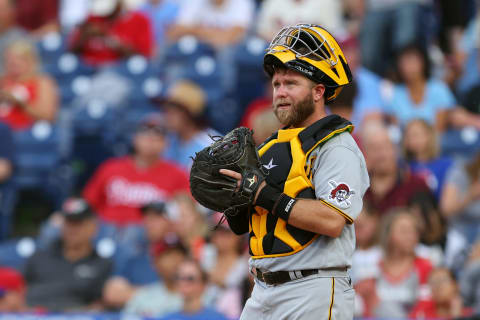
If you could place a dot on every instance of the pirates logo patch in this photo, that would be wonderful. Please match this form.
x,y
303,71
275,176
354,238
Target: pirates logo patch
x,y
341,193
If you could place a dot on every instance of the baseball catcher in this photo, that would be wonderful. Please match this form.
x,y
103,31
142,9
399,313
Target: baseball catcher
x,y
298,194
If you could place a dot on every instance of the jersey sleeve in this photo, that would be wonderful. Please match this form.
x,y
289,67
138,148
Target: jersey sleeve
x,y
94,191
339,180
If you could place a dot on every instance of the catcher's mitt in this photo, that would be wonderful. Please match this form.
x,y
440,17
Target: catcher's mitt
x,y
235,151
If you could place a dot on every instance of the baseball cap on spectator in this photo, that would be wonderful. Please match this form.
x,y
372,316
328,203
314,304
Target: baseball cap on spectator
x,y
152,123
10,280
157,207
161,247
187,96
76,209
103,8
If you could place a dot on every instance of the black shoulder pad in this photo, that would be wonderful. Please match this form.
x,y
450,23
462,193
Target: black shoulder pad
x,y
320,129
273,136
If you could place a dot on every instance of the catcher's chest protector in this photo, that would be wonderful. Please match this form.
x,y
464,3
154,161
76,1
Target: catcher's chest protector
x,y
284,155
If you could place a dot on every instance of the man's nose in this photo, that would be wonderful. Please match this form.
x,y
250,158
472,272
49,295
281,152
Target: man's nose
x,y
280,92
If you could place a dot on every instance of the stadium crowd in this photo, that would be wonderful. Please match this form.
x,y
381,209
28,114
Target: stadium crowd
x,y
103,103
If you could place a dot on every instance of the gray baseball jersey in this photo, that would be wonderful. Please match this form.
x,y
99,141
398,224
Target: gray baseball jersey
x,y
340,178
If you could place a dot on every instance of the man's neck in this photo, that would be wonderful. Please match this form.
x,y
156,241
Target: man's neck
x,y
193,305
188,132
318,114
75,253
144,161
382,183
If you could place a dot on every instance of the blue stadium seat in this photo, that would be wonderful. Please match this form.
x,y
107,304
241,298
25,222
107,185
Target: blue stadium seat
x,y
71,74
37,154
51,47
144,76
186,49
38,163
464,143
205,71
15,252
250,76
94,130
8,195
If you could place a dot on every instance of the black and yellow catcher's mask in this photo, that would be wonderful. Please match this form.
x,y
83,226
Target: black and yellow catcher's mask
x,y
312,51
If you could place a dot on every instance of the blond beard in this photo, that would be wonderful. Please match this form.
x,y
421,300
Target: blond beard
x,y
297,113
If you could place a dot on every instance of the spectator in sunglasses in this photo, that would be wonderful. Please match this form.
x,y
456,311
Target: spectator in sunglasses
x,y
191,281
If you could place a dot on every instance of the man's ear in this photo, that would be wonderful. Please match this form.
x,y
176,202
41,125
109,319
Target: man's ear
x,y
318,92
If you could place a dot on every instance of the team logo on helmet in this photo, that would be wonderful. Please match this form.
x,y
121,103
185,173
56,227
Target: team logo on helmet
x,y
341,193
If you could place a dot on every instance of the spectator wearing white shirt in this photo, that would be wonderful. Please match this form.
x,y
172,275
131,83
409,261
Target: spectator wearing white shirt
x,y
275,14
219,23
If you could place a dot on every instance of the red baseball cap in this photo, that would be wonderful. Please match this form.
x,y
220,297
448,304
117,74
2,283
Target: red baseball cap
x,y
10,280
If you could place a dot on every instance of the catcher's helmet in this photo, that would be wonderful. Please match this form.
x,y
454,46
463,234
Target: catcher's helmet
x,y
312,51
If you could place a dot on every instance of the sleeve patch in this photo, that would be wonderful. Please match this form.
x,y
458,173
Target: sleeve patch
x,y
340,193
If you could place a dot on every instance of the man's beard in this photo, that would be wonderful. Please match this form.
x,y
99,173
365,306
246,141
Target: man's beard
x,y
297,113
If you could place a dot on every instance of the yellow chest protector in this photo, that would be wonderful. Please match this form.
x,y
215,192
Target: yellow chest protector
x,y
284,156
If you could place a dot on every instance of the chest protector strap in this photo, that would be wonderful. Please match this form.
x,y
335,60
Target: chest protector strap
x,y
269,235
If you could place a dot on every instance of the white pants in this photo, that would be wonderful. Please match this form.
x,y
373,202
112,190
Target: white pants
x,y
312,298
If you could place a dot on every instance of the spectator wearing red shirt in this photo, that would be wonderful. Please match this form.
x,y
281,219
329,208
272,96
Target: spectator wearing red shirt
x,y
26,94
111,33
38,16
401,279
446,301
121,186
390,185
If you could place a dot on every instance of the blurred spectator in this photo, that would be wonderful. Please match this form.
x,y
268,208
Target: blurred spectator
x,y
432,226
162,14
343,104
219,23
191,281
111,33
258,106
468,115
418,96
26,95
368,252
184,107
264,124
139,268
466,57
421,151
121,186
460,204
160,298
353,11
367,97
72,13
276,14
190,226
70,274
7,150
228,272
391,184
470,279
12,291
446,301
402,280
9,30
40,17
387,27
